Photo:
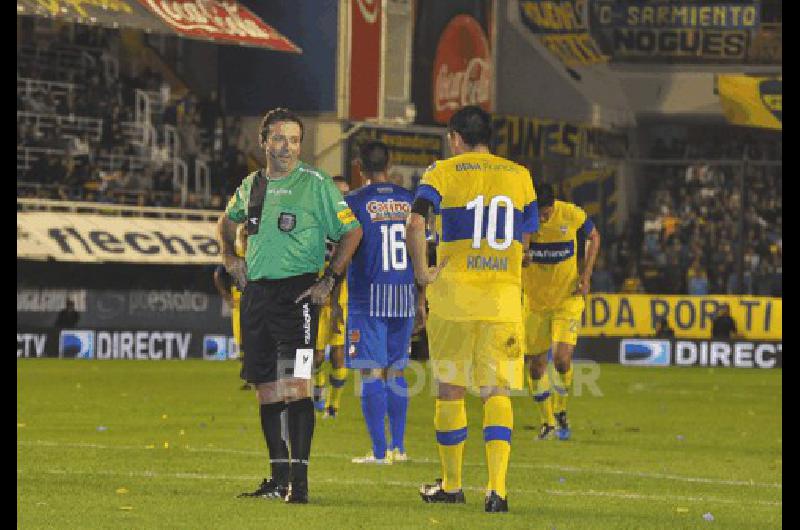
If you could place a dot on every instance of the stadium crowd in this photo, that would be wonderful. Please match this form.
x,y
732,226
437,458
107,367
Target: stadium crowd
x,y
693,232
97,160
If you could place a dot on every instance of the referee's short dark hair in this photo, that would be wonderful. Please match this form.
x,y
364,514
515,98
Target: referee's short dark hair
x,y
473,124
374,156
276,115
545,195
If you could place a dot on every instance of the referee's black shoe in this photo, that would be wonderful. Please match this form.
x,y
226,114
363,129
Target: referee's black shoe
x,y
269,489
297,495
435,493
495,503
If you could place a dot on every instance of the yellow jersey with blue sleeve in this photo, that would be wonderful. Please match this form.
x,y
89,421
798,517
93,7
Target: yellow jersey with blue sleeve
x,y
552,277
483,204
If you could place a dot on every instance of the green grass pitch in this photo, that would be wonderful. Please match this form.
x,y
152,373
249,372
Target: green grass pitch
x,y
127,444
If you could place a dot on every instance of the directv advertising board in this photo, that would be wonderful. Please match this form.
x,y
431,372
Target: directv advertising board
x,y
134,345
219,348
644,352
681,352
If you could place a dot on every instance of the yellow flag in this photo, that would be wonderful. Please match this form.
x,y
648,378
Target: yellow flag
x,y
752,101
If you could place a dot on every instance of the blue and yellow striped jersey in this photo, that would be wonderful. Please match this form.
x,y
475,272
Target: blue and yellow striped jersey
x,y
483,204
553,274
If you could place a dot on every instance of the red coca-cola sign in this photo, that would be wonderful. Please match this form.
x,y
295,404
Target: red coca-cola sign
x,y
462,70
219,20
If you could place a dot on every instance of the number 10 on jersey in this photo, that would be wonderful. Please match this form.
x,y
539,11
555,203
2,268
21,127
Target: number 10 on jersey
x,y
492,214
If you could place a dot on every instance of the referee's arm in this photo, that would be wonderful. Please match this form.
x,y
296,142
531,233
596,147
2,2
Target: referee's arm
x,y
236,267
345,249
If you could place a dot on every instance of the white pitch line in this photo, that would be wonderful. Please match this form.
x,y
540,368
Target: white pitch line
x,y
519,465
410,485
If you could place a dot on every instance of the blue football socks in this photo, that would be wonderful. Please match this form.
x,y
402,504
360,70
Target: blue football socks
x,y
373,405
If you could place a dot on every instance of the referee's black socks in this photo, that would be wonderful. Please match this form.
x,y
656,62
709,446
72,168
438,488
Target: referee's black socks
x,y
278,451
301,429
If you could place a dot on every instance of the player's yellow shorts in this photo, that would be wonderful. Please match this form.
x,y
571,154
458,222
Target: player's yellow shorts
x,y
476,353
325,335
561,324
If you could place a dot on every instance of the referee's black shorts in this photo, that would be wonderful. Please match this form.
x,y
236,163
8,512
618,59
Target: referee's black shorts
x,y
277,333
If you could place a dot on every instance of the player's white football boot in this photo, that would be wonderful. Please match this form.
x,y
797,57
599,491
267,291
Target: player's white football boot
x,y
397,456
370,459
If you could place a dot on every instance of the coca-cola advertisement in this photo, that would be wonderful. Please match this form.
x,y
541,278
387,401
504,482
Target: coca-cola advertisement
x,y
462,70
452,58
219,20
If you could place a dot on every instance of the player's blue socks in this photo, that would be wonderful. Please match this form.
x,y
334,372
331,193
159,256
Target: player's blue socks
x,y
373,405
397,407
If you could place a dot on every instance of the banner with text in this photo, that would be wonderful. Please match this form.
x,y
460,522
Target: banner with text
x,y
636,315
671,31
99,238
563,28
527,138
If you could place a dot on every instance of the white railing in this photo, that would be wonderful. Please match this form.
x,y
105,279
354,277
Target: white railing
x,y
27,156
70,125
29,86
180,179
113,162
202,179
142,108
140,134
26,204
172,141
157,102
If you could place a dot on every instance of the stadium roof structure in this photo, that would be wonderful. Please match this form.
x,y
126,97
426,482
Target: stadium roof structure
x,y
220,21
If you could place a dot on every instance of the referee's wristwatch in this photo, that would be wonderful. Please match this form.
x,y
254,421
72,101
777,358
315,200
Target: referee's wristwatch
x,y
329,273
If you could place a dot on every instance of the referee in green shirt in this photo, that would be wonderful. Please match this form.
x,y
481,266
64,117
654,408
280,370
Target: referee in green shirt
x,y
288,208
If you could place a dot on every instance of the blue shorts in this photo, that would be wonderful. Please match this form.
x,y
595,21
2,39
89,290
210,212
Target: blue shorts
x,y
377,342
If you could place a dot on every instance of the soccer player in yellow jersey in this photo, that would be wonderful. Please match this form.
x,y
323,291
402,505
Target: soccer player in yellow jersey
x,y
227,288
485,210
555,288
330,332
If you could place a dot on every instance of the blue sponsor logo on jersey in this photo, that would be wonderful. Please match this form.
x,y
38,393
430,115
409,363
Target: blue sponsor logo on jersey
x,y
550,253
644,352
77,344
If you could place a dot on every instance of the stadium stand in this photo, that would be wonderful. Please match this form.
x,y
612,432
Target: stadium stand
x,y
87,131
693,233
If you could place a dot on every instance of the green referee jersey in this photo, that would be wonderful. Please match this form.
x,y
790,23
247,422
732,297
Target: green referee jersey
x,y
298,212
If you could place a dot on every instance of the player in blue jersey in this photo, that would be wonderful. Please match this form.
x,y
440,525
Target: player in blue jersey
x,y
381,305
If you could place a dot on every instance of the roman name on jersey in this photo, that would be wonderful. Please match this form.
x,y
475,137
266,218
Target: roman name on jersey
x,y
484,263
388,210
